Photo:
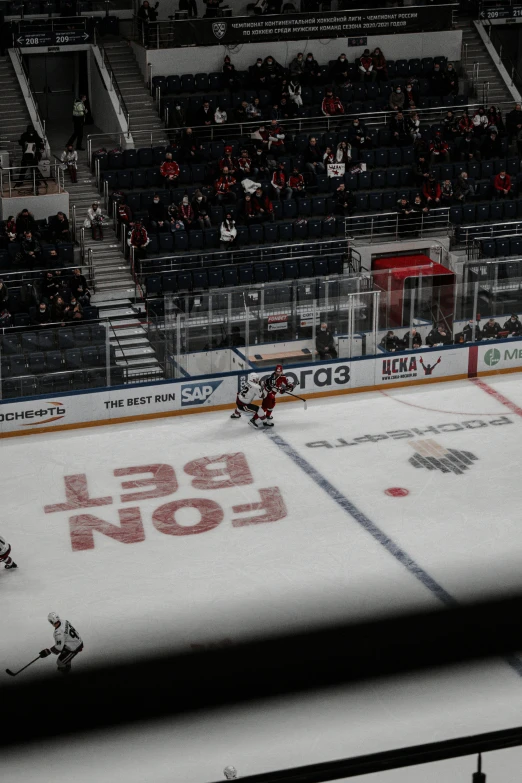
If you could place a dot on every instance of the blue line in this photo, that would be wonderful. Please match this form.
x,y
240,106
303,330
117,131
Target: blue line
x,y
394,550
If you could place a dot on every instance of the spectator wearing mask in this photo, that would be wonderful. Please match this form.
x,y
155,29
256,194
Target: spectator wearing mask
x,y
471,332
31,250
190,147
468,149
431,192
276,139
296,182
491,330
466,124
79,288
390,342
230,74
57,309
229,162
186,213
228,232
438,336
25,222
263,206
204,115
439,83
502,185
400,129
366,69
343,153
158,218
80,112
249,213
245,167
95,220
201,209
379,65
324,342
69,159
254,110
450,127
495,121
480,122
314,157
255,73
73,311
412,340
124,213
177,116
138,240
295,92
59,228
345,201
280,187
331,105
359,136
50,287
446,193
464,189
297,67
223,187
339,69
439,150
169,170
311,69
411,97
42,316
491,146
272,66
513,326
396,101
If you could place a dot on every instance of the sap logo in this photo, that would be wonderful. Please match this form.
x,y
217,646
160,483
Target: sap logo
x,y
198,393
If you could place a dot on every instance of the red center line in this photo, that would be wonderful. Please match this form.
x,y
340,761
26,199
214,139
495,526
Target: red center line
x,y
436,410
497,395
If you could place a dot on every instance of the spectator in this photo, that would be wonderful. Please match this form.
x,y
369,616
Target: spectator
x,y
438,336
59,228
339,69
286,109
261,164
228,161
502,185
244,165
204,115
491,330
158,218
495,121
396,101
324,343
331,105
446,193
69,159
25,222
366,69
178,116
491,146
138,240
254,110
514,121
379,65
468,148
343,153
452,80
297,67
328,157
276,139
79,288
95,220
230,74
190,147
124,213
358,135
186,213
80,112
411,98
345,201
10,231
262,205
466,125
450,126
272,66
311,69
420,210
173,217
32,146
471,332
406,217
439,82
464,189
256,72
295,92
421,170
50,287
313,157
57,309
169,170
223,187
431,191
480,122
439,150
390,342
411,340
73,311
415,131
31,250
146,14
296,182
220,116
513,325
241,112
228,232
4,296
201,207
249,213
280,187
400,130
42,316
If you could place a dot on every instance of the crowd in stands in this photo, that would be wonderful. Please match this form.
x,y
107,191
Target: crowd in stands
x,y
440,335
59,293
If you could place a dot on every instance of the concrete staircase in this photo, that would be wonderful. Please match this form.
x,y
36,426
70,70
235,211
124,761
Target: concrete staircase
x,y
15,117
488,72
145,125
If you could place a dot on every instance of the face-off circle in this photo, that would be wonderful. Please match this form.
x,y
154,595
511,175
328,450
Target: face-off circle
x,y
397,492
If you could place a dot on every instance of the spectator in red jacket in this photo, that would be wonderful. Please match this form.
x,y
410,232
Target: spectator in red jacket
x,y
502,185
296,180
367,72
228,161
331,105
280,187
262,205
245,166
431,192
439,150
223,186
276,139
169,170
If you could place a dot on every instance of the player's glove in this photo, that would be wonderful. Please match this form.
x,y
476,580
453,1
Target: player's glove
x,y
44,653
290,387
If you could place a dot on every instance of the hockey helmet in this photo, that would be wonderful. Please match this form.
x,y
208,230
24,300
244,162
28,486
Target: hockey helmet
x,y
279,369
253,377
53,618
230,773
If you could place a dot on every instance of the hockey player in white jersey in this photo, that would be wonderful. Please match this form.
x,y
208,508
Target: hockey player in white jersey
x,y
5,554
251,390
67,643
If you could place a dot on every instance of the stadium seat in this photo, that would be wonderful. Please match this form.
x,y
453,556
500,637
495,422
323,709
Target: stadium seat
x,y
291,271
230,277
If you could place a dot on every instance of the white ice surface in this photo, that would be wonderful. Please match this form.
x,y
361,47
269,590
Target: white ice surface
x,y
314,565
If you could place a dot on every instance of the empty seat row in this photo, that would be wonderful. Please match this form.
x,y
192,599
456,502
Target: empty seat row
x,y
64,381
482,213
60,338
242,274
53,361
504,246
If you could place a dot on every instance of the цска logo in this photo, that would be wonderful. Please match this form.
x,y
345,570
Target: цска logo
x,y
198,393
219,29
492,357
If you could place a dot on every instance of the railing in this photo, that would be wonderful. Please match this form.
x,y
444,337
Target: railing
x,y
13,180
113,82
87,258
503,57
17,278
392,225
467,235
29,94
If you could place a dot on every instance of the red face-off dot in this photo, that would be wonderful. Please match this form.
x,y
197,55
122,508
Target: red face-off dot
x,y
397,492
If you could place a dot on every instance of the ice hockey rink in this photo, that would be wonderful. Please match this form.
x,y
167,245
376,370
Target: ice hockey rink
x,y
360,506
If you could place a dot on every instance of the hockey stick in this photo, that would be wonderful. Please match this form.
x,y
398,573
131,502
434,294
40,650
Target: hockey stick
x,y
13,674
298,398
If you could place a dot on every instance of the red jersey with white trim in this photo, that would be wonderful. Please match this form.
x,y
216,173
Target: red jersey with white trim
x,y
277,383
5,548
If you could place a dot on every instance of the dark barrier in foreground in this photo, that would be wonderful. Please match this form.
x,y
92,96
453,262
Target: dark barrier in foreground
x,y
171,685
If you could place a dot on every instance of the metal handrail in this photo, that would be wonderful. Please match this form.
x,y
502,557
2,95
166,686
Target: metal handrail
x,y
35,275
503,58
113,82
9,179
30,96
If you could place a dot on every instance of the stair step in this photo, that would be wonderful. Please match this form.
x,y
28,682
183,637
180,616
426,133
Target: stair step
x,y
141,362
116,312
134,333
128,352
155,371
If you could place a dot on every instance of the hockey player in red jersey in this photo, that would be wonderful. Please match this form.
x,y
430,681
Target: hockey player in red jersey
x,y
5,552
277,382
